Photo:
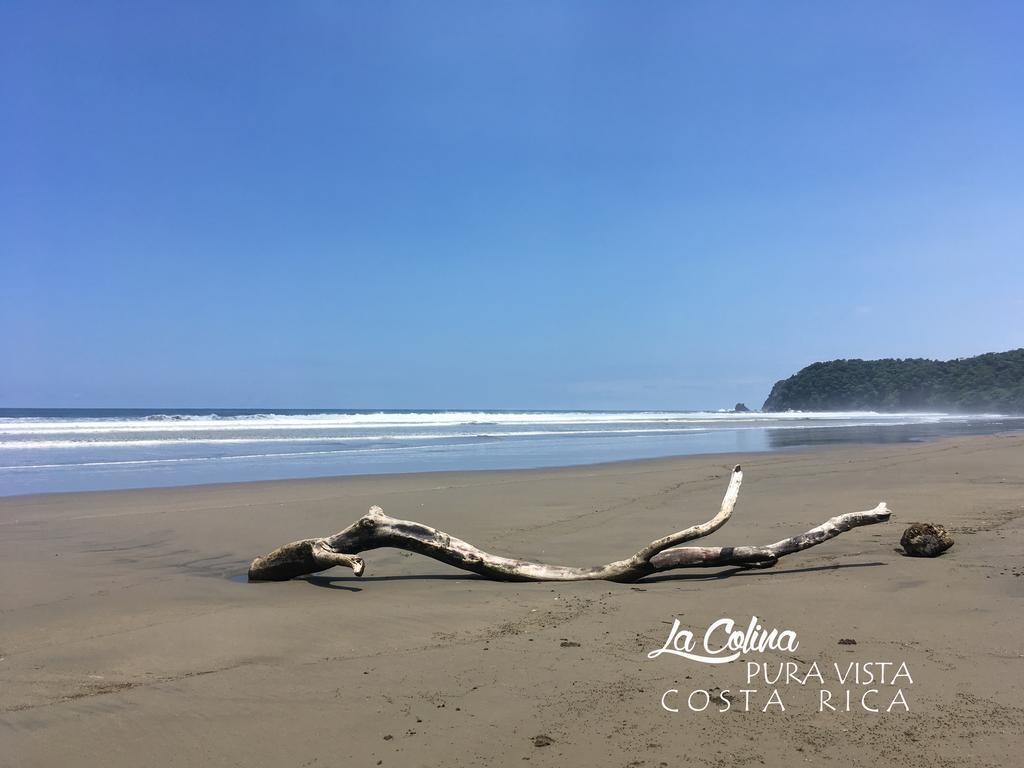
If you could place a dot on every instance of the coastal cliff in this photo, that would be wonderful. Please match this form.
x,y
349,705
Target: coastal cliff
x,y
989,383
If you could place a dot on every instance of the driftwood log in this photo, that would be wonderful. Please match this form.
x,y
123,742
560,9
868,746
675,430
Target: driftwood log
x,y
375,529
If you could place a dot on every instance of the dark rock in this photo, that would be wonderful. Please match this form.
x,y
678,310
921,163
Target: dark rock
x,y
925,540
569,644
543,741
847,641
740,408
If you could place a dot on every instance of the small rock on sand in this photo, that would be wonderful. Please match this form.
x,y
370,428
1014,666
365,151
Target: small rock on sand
x,y
925,540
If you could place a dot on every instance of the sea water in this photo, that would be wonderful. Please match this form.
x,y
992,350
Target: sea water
x,y
44,450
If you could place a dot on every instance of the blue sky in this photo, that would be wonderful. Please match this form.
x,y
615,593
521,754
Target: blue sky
x,y
505,204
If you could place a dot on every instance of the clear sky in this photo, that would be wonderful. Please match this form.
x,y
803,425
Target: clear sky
x,y
499,204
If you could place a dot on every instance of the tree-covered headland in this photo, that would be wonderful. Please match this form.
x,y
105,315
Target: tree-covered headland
x,y
989,383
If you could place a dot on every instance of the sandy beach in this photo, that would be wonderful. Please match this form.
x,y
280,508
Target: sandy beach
x,y
129,632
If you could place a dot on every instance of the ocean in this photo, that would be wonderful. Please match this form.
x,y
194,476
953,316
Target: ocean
x,y
46,450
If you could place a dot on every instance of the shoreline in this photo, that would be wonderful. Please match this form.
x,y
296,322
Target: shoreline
x,y
127,629
69,455
740,456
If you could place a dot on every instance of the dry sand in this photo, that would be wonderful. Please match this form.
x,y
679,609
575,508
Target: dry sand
x,y
128,638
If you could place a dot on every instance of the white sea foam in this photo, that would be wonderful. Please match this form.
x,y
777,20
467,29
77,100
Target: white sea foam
x,y
140,434
194,423
195,459
181,441
93,451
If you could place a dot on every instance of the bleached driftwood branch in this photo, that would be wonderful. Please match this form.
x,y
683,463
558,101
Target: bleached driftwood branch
x,y
375,530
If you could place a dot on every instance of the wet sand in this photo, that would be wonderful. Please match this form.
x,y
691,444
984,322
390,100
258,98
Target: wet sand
x,y
129,637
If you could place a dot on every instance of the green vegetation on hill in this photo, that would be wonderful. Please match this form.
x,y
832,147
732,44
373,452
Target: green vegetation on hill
x,y
991,383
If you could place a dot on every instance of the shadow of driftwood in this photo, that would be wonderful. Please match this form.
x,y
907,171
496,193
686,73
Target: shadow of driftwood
x,y
344,582
730,572
328,582
340,582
